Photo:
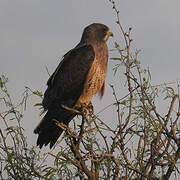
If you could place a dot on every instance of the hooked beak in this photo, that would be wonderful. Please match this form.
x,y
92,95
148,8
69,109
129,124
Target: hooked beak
x,y
108,34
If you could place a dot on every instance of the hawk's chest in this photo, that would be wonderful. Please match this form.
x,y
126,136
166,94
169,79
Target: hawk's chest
x,y
96,76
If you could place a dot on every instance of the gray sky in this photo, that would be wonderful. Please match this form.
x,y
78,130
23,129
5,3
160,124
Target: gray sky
x,y
35,33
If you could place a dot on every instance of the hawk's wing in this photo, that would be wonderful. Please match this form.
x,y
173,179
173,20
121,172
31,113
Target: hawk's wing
x,y
67,82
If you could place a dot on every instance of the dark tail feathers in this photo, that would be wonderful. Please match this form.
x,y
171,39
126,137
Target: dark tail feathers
x,y
47,129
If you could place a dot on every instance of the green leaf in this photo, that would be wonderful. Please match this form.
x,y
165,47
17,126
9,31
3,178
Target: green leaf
x,y
38,93
37,104
115,58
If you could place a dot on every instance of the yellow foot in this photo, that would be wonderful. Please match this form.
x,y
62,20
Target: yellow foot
x,y
87,109
91,108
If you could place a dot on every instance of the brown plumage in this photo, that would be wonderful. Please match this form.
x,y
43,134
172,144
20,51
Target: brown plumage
x,y
80,75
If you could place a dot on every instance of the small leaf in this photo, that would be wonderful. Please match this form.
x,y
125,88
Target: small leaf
x,y
38,93
115,58
37,104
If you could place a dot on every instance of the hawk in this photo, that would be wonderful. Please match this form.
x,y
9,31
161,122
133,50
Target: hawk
x,y
79,76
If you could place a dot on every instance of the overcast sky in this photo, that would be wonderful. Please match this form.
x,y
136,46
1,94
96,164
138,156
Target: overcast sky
x,y
36,33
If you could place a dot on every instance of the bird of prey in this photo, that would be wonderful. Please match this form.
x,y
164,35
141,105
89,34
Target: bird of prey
x,y
79,76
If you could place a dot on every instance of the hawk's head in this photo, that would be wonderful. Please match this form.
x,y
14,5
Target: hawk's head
x,y
96,32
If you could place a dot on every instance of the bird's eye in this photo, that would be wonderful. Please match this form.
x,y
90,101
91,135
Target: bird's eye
x,y
104,31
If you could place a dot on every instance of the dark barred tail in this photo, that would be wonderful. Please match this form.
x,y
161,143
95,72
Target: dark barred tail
x,y
47,129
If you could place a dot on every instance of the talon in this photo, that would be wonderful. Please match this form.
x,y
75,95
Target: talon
x,y
85,110
91,108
